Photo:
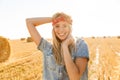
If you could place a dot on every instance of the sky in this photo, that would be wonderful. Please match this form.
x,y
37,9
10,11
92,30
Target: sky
x,y
90,17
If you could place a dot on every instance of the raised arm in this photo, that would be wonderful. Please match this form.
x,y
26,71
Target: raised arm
x,y
31,25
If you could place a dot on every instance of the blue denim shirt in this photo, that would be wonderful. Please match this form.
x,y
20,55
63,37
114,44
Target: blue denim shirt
x,y
53,71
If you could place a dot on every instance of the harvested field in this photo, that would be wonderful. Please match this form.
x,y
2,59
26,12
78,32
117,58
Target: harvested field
x,y
104,58
25,61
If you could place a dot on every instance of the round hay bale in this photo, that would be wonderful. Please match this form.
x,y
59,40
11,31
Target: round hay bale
x,y
4,49
22,39
29,39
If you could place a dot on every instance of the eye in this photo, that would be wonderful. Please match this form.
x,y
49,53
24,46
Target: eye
x,y
57,26
65,26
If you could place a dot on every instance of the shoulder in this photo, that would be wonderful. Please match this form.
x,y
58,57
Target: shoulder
x,y
80,41
44,44
81,48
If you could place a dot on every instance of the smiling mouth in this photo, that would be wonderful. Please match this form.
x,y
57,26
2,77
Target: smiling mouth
x,y
62,34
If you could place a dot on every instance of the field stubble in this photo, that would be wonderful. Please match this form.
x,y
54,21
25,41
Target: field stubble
x,y
104,58
25,62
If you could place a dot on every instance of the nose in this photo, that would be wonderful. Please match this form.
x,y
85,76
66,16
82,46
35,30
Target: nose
x,y
61,29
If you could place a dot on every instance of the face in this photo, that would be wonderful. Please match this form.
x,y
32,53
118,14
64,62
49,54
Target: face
x,y
62,30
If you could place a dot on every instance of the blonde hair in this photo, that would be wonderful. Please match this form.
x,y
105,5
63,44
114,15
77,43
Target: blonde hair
x,y
65,16
56,42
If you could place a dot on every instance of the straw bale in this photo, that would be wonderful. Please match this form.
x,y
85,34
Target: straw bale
x,y
4,49
29,39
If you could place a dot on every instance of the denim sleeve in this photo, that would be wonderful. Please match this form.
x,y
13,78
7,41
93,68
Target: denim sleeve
x,y
82,49
44,45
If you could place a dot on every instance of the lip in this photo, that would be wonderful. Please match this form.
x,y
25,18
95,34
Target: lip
x,y
61,36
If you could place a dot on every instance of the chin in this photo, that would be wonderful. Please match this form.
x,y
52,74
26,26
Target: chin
x,y
62,39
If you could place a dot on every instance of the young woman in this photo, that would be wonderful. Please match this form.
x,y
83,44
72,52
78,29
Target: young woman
x,y
66,58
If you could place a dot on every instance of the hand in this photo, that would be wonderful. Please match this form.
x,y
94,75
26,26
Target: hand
x,y
68,41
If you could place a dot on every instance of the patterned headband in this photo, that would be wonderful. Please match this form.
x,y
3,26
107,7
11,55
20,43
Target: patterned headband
x,y
55,21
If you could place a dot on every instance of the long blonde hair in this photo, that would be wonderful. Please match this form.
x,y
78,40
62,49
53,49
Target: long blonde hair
x,y
56,42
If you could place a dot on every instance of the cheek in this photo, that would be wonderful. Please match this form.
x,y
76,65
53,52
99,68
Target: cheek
x,y
55,31
68,30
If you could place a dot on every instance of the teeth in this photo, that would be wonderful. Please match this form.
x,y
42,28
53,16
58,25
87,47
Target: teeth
x,y
61,34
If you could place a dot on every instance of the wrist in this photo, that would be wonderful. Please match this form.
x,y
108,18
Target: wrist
x,y
64,46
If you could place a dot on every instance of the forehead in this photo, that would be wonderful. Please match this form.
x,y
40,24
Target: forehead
x,y
62,23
